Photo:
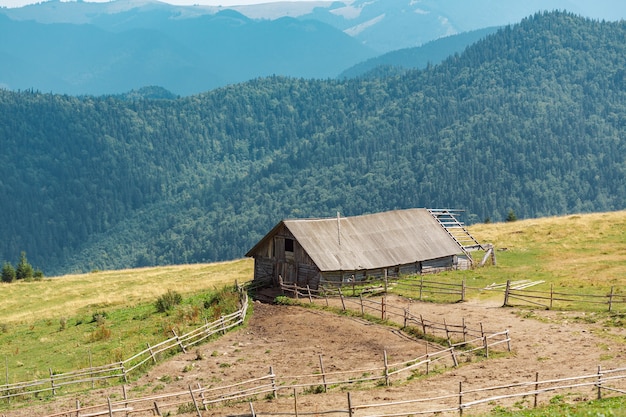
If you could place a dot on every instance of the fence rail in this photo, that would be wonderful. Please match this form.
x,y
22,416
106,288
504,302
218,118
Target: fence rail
x,y
456,335
122,369
547,299
514,292
457,399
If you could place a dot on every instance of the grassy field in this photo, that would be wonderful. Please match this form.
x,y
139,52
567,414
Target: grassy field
x,y
51,324
64,323
55,298
577,254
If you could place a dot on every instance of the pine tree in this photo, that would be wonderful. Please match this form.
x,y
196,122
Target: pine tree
x,y
511,217
8,272
24,270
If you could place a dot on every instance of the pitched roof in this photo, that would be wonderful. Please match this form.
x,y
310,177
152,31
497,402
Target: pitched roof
x,y
371,241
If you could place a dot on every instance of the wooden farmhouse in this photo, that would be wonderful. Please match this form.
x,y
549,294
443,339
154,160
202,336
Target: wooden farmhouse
x,y
345,249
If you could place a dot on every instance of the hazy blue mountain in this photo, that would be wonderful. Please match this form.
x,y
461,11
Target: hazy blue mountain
x,y
387,25
419,57
79,47
135,49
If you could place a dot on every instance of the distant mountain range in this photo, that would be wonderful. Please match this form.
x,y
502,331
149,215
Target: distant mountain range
x,y
531,118
111,48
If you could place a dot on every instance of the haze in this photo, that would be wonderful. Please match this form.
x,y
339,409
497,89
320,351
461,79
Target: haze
x,y
225,3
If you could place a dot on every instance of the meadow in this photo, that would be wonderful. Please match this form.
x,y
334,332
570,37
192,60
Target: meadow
x,y
64,323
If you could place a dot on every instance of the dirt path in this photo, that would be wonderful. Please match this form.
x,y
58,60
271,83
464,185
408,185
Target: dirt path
x,y
291,339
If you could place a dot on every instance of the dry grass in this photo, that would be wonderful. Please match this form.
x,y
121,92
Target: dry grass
x,y
66,296
578,251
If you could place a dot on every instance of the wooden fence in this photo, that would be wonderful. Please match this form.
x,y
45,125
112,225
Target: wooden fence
x,y
519,294
272,386
422,287
547,299
457,397
456,335
122,369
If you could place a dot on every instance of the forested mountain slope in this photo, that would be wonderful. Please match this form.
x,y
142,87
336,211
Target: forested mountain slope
x,y
531,119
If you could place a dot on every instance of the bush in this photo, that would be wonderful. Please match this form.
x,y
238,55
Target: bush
x,y
167,301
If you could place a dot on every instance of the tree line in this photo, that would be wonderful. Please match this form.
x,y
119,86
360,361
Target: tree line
x,y
22,271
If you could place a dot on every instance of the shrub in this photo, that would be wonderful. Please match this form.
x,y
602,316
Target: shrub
x,y
99,317
101,333
167,301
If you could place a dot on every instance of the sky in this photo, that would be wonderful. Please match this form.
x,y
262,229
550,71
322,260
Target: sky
x,y
225,3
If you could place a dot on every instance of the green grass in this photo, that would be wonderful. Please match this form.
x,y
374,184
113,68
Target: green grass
x,y
579,254
106,328
50,324
611,407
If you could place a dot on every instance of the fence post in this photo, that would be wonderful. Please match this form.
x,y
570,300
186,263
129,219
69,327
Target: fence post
x,y
6,375
350,410
110,406
445,326
323,374
551,294
611,299
223,325
156,409
454,359
273,377
252,413
386,368
203,397
383,309
506,293
343,303
421,285
460,398
485,344
536,389
125,395
151,353
195,403
179,342
124,372
295,402
508,340
463,290
362,308
423,325
427,359
464,331
406,316
54,391
599,384
308,290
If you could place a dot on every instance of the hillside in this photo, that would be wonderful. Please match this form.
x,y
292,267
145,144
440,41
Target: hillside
x,y
581,253
529,119
419,57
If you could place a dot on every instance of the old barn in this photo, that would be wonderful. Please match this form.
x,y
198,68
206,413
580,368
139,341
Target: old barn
x,y
341,249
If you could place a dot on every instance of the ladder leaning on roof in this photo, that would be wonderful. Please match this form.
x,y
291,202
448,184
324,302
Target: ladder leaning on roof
x,y
447,218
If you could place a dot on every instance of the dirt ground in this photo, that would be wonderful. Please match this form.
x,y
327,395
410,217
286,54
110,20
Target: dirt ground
x,y
290,340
